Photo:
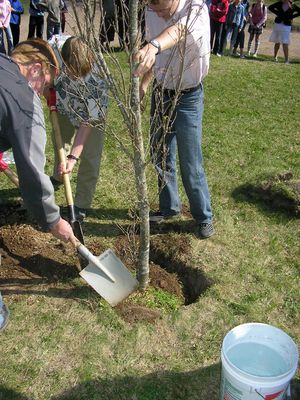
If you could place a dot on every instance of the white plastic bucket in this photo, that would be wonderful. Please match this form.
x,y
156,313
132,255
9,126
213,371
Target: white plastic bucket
x,y
258,362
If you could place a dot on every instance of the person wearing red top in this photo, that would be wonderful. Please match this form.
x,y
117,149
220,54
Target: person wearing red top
x,y
257,20
218,12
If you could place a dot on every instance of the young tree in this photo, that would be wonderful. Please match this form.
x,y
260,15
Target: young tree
x,y
129,106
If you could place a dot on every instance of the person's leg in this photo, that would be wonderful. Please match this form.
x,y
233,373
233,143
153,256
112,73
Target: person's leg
x,y
50,29
39,26
163,153
237,42
276,49
235,31
2,46
285,48
223,39
9,38
63,21
56,30
217,37
89,167
31,27
15,31
242,42
251,36
256,45
212,33
188,126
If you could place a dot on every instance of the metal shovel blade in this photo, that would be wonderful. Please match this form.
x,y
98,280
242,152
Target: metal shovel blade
x,y
113,287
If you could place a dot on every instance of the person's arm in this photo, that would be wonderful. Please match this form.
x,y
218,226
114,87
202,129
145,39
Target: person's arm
x,y
81,137
167,39
18,8
274,8
296,11
242,18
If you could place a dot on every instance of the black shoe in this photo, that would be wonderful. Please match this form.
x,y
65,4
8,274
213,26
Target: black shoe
x,y
56,184
206,230
157,217
80,213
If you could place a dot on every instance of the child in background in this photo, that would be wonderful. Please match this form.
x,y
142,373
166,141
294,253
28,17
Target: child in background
x,y
233,25
257,21
218,12
15,19
82,102
240,40
5,12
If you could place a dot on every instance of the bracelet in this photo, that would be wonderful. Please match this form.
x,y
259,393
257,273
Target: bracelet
x,y
71,157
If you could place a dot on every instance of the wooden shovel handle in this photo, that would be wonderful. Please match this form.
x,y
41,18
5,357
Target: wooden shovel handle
x,y
12,176
61,156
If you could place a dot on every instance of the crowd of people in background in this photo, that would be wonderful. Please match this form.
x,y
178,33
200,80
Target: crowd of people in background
x,y
228,21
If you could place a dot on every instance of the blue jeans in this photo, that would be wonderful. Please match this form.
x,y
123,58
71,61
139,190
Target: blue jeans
x,y
9,38
53,28
179,128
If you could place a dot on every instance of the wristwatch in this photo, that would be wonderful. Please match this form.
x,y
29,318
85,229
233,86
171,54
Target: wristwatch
x,y
156,44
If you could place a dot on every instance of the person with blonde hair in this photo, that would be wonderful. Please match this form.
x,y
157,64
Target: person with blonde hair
x,y
82,102
24,77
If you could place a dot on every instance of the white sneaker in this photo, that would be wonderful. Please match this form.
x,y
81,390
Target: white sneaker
x,y
276,59
287,62
254,55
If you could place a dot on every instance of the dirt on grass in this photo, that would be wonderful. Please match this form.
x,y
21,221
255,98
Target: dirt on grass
x,y
33,261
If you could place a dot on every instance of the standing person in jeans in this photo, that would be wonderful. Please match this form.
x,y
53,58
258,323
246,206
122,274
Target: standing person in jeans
x,y
82,104
285,12
36,20
5,13
233,25
54,8
177,54
240,40
15,19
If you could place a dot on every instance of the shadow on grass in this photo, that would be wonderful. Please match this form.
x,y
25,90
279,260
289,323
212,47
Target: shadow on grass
x,y
266,201
202,384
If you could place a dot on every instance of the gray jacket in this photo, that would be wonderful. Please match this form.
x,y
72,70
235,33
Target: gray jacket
x,y
22,129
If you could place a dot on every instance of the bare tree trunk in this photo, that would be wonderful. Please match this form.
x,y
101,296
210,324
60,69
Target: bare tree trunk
x,y
139,154
131,115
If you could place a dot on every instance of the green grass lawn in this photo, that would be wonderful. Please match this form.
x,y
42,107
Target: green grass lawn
x,y
80,349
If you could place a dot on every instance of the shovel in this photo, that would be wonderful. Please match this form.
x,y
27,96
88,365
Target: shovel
x,y
107,275
8,172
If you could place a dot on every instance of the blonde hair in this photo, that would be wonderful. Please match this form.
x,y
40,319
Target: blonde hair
x,y
36,51
77,56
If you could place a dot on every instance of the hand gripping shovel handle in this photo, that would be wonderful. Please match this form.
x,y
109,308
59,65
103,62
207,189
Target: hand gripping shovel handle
x,y
61,156
8,172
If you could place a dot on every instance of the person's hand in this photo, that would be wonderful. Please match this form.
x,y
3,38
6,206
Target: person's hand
x,y
66,169
63,231
145,58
